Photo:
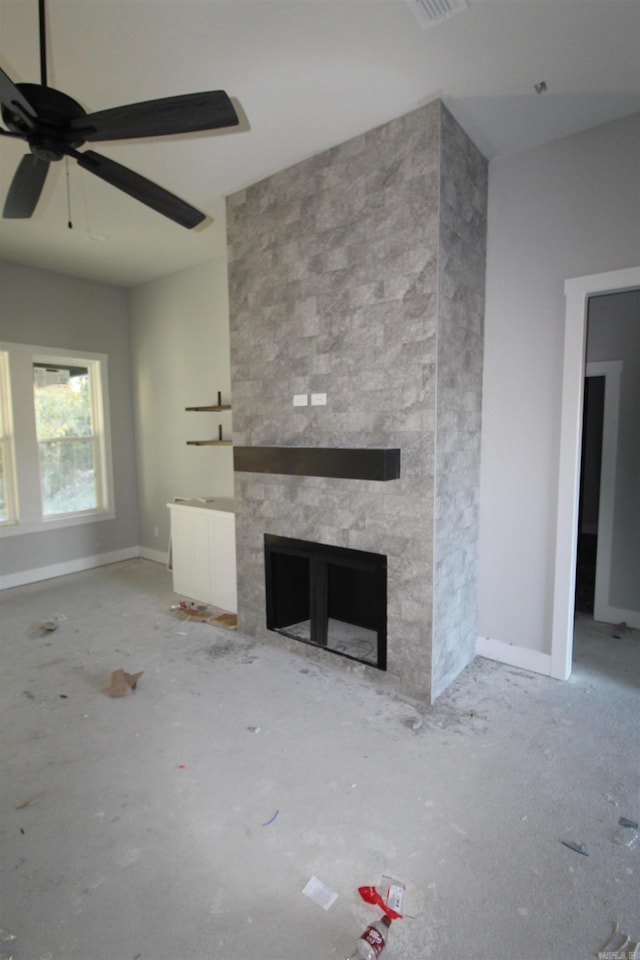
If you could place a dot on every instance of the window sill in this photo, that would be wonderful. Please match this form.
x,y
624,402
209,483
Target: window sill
x,y
55,523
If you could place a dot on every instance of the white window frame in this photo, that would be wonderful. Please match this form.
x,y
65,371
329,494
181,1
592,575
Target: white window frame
x,y
28,517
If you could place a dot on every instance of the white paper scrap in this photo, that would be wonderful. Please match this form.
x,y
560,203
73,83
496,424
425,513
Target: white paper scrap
x,y
394,891
320,893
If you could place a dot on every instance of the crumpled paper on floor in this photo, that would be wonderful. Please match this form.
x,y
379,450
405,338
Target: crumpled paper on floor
x,y
122,683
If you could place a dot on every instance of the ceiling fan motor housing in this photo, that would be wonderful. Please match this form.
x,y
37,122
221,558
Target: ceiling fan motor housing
x,y
49,138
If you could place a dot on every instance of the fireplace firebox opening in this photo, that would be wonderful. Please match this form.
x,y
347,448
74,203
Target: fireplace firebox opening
x,y
330,597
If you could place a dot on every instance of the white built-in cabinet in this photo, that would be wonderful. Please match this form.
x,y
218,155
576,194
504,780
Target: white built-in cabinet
x,y
203,550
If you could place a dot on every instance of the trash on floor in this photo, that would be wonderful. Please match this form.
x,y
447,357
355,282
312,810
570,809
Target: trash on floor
x,y
625,822
202,614
50,663
320,893
576,847
27,803
269,822
193,611
122,683
189,607
619,945
227,620
48,626
372,941
625,836
388,896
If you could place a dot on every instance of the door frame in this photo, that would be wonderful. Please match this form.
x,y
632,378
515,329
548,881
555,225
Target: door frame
x,y
577,290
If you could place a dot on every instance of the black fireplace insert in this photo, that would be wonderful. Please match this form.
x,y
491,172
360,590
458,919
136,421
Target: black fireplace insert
x,y
330,597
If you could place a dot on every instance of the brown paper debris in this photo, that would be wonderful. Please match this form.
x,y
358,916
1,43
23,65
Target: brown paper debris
x,y
202,614
228,620
122,683
27,803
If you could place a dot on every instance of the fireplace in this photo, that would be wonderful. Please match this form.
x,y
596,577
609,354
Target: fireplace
x,y
329,597
360,274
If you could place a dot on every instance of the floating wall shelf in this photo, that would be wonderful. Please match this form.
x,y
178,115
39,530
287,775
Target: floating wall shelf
x,y
216,408
209,443
224,406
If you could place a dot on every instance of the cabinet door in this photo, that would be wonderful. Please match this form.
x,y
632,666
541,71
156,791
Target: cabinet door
x,y
222,546
191,555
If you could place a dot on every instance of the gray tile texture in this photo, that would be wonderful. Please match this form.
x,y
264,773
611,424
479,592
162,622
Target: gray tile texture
x,y
359,273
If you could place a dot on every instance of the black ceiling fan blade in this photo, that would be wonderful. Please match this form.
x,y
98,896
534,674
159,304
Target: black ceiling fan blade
x,y
187,113
11,133
25,188
139,188
13,100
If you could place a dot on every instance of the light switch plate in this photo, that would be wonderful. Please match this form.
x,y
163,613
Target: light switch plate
x,y
300,400
318,399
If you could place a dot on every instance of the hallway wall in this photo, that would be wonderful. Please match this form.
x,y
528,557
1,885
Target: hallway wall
x,y
570,208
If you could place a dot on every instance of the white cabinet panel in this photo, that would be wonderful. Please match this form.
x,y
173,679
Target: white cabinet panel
x,y
203,543
222,556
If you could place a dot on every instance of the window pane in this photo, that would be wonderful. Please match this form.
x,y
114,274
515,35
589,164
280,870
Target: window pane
x,y
63,402
67,471
64,425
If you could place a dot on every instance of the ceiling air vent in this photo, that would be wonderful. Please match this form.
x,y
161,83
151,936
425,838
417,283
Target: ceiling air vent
x,y
428,12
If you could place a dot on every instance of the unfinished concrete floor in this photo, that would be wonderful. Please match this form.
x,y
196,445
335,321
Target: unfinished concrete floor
x,y
144,827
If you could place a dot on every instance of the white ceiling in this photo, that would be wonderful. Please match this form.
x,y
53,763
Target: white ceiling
x,y
304,76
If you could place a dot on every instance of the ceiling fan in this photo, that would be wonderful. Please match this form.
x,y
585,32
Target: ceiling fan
x,y
54,126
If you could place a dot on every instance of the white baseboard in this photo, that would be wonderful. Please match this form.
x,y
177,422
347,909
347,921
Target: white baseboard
x,y
158,556
605,614
22,577
521,657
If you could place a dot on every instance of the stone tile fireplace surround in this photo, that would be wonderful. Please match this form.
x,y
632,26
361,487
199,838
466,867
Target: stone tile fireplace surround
x,y
359,273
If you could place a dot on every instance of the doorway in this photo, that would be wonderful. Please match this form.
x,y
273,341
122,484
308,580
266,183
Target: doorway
x,y
599,456
578,291
589,502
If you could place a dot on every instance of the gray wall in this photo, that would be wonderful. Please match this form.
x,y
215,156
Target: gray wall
x,y
567,209
614,334
180,356
46,309
334,282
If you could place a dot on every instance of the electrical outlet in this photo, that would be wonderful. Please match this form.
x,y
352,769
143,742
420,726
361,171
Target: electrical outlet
x,y
318,399
300,400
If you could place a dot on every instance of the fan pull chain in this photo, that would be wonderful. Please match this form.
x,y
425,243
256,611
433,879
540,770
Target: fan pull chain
x,y
69,223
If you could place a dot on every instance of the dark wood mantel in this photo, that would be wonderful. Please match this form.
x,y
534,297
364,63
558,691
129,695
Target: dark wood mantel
x,y
351,464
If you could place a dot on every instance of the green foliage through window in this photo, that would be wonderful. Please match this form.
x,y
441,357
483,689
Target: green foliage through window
x,y
64,425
